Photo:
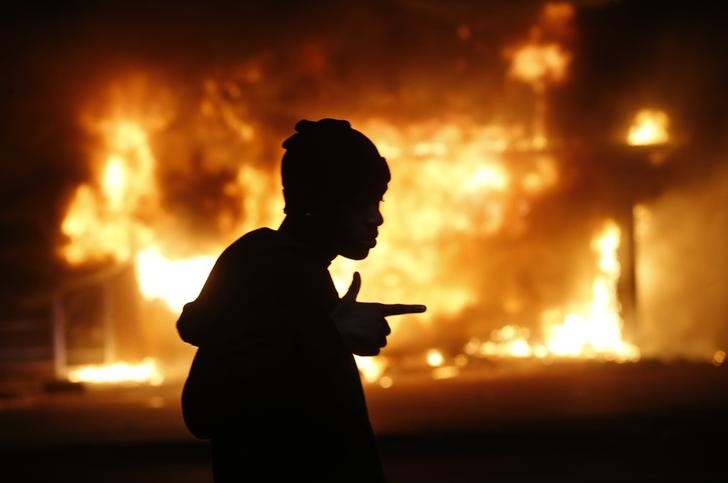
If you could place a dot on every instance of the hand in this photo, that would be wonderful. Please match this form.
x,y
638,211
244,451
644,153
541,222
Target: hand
x,y
362,325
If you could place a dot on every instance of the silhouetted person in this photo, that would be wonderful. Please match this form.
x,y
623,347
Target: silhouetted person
x,y
274,385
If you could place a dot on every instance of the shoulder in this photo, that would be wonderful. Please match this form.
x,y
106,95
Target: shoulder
x,y
254,241
261,255
253,248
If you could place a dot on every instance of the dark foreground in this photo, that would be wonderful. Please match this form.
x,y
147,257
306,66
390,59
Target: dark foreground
x,y
563,424
597,451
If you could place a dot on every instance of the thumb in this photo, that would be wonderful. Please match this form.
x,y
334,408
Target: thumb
x,y
350,295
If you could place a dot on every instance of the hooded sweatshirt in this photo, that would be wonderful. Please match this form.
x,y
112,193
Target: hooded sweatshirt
x,y
271,383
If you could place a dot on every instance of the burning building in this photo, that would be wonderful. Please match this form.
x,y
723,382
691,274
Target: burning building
x,y
558,190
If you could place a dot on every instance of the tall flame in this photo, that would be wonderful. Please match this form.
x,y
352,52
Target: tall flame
x,y
599,331
111,218
103,218
595,331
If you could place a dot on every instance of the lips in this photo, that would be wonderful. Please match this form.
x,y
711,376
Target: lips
x,y
369,242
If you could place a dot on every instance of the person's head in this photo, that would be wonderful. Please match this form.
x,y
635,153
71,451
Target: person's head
x,y
333,180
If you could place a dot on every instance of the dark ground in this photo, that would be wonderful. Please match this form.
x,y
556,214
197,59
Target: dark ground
x,y
562,423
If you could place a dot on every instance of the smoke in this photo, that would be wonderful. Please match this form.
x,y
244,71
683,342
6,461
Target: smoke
x,y
681,272
630,55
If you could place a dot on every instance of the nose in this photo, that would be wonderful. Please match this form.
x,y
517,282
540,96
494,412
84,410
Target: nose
x,y
375,216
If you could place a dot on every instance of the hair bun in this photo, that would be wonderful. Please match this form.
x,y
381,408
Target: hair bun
x,y
304,126
306,129
329,123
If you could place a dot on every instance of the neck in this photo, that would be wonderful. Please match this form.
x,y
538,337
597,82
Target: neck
x,y
301,231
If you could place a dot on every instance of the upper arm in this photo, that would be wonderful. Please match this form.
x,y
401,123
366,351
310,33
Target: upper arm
x,y
234,302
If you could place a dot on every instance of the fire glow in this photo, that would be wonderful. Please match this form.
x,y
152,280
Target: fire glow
x,y
453,177
107,219
145,372
99,223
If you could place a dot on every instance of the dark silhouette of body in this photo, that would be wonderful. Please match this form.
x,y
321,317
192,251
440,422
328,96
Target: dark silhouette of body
x,y
273,384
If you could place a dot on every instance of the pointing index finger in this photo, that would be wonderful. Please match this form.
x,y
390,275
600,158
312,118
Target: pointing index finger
x,y
400,309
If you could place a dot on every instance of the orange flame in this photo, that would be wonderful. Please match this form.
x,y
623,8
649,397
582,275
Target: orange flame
x,y
539,64
174,281
118,216
649,127
456,182
460,169
595,331
450,177
145,372
102,219
456,168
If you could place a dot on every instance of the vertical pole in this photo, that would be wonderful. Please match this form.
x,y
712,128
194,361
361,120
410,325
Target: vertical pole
x,y
108,322
60,357
628,279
